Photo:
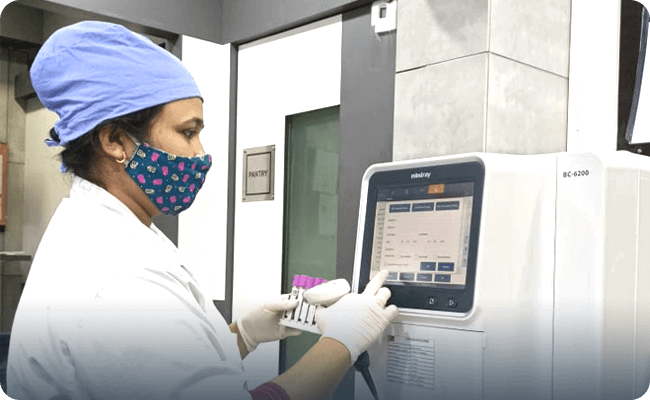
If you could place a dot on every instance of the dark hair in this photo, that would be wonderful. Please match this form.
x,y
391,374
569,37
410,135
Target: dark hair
x,y
78,155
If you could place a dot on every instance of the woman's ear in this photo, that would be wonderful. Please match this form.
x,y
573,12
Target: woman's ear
x,y
110,143
113,144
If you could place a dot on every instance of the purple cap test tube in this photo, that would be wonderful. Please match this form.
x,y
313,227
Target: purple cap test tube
x,y
309,282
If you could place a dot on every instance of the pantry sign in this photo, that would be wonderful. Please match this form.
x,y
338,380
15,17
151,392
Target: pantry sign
x,y
259,174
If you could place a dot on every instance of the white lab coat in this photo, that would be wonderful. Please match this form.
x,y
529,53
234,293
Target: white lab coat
x,y
111,311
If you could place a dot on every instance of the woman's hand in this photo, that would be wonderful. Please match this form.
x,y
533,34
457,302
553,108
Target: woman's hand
x,y
327,293
357,320
263,323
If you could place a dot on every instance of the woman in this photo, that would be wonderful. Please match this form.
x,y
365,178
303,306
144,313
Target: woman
x,y
110,309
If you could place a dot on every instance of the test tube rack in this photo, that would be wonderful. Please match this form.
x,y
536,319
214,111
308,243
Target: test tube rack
x,y
304,316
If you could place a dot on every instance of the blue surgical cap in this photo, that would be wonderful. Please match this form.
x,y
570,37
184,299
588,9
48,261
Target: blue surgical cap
x,y
93,71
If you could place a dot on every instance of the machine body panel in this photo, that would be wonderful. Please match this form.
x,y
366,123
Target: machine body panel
x,y
556,308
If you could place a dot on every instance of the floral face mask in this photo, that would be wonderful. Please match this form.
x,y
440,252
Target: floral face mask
x,y
171,182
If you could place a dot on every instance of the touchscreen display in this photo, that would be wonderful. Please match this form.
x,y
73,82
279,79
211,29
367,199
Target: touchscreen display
x,y
421,234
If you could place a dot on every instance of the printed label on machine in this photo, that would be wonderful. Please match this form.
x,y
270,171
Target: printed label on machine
x,y
411,361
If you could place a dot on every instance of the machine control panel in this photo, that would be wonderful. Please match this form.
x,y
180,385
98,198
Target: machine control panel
x,y
422,226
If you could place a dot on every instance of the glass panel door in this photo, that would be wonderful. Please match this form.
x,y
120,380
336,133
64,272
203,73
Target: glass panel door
x,y
310,209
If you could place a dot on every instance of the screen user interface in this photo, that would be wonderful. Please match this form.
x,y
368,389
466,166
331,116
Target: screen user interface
x,y
421,234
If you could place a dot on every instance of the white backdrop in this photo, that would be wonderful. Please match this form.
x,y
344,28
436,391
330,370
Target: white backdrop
x,y
202,228
593,75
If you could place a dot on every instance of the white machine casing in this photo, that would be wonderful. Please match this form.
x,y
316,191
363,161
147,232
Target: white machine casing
x,y
562,294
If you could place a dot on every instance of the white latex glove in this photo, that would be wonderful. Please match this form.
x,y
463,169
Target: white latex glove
x,y
263,323
357,320
327,293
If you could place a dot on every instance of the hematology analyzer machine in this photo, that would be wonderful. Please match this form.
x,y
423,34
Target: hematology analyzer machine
x,y
517,277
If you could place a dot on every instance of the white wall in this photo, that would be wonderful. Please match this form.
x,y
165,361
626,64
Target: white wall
x,y
278,76
202,228
593,75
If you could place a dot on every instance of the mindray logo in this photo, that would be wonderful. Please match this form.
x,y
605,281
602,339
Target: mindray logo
x,y
417,175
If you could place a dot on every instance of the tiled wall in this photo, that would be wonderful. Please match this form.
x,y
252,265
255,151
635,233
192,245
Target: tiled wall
x,y
481,75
